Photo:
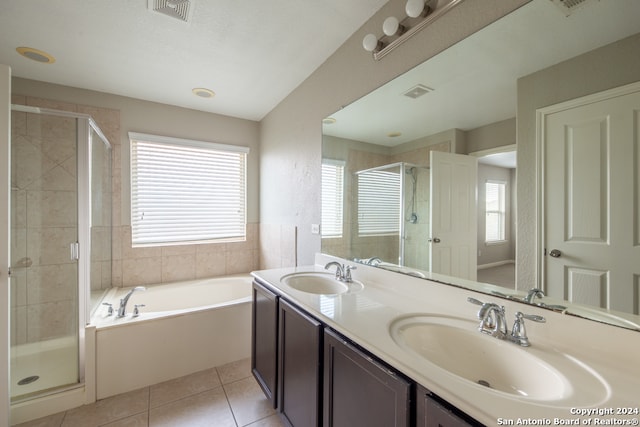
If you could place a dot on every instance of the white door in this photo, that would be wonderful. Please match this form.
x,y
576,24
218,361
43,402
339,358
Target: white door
x,y
453,213
591,217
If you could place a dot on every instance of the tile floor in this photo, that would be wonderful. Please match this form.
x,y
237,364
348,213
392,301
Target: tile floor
x,y
225,396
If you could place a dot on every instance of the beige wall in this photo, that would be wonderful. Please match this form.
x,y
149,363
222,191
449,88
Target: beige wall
x,y
601,69
493,135
117,115
291,134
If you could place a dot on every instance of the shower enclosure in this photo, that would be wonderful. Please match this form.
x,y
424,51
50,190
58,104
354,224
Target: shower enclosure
x,y
392,215
60,245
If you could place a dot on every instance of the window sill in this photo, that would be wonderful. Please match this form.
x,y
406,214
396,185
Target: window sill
x,y
496,242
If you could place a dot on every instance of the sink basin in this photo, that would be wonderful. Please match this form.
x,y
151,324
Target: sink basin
x,y
455,345
319,283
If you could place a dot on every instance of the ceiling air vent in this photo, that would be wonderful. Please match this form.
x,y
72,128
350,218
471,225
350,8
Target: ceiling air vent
x,y
417,91
179,9
569,6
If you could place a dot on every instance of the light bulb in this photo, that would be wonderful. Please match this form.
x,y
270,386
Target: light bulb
x,y
370,42
414,8
390,25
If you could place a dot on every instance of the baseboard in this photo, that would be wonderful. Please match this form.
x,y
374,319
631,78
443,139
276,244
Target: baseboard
x,y
496,264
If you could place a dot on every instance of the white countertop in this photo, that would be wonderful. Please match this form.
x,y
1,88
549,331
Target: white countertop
x,y
609,353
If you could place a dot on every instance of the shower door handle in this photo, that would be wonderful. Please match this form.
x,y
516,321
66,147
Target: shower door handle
x,y
434,240
75,251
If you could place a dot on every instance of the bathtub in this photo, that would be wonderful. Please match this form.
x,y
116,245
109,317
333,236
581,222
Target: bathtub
x,y
183,328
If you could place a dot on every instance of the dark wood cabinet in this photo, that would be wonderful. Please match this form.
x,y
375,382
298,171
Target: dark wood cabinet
x,y
300,369
264,340
360,391
433,412
316,377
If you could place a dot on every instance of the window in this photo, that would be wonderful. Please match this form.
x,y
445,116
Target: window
x,y
185,191
495,211
378,203
332,198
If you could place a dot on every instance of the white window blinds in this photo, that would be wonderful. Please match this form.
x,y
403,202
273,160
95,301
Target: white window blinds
x,y
495,211
332,198
378,203
185,191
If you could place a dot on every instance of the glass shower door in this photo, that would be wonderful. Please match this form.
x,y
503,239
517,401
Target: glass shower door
x,y
44,271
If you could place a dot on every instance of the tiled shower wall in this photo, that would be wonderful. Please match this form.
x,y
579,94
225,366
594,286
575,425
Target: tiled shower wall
x,y
41,316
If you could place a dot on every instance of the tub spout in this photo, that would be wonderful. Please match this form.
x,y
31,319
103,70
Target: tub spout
x,y
122,310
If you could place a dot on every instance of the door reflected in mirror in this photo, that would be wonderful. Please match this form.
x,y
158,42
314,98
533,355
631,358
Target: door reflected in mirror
x,y
483,98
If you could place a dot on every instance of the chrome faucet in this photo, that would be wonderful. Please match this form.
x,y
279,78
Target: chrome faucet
x,y
532,294
123,302
519,333
493,322
343,272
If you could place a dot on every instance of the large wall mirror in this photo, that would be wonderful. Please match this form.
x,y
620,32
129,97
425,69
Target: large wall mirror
x,y
446,172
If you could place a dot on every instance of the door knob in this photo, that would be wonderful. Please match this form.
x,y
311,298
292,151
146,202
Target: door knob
x,y
555,253
434,240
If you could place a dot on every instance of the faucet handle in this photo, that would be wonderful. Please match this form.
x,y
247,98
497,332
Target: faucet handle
x,y
475,301
136,310
518,332
533,317
347,272
110,309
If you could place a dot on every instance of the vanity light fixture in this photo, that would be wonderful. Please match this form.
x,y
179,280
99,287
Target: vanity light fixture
x,y
419,14
203,92
36,55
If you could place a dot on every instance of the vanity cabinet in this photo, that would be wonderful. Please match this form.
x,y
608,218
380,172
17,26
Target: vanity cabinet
x,y
316,377
299,400
433,412
360,391
264,340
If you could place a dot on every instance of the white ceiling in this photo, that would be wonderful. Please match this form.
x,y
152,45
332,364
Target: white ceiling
x,y
502,160
474,81
252,54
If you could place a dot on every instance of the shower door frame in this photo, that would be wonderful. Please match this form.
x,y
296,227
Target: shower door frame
x,y
5,220
84,125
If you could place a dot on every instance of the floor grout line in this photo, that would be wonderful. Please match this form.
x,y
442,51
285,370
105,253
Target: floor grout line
x,y
231,376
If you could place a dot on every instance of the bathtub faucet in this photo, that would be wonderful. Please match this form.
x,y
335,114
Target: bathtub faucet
x,y
123,302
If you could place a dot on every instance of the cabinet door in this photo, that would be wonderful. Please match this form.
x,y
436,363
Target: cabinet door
x,y
299,385
264,349
359,391
432,413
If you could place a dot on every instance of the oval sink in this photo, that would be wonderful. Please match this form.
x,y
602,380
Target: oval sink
x,y
319,283
455,345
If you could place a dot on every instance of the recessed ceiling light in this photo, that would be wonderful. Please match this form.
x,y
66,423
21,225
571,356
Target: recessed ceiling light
x,y
328,121
36,55
394,134
203,92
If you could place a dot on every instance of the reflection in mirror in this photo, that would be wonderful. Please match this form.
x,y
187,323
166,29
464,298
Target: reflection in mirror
x,y
392,215
478,98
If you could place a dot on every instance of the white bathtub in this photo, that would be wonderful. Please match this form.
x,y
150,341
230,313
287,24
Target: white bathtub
x,y
183,328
